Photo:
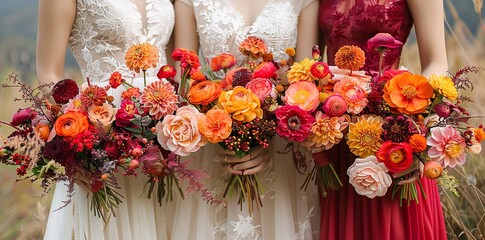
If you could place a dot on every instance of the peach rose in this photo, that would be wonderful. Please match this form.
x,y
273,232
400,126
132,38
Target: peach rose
x,y
102,116
216,125
179,133
369,177
204,93
71,124
242,104
304,95
262,87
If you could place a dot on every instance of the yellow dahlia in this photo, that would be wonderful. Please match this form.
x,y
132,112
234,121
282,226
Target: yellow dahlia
x,y
301,71
350,57
327,131
444,85
141,57
365,136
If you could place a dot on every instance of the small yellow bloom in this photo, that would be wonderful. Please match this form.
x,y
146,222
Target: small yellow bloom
x,y
290,51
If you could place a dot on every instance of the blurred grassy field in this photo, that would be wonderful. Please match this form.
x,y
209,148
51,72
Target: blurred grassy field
x,y
23,214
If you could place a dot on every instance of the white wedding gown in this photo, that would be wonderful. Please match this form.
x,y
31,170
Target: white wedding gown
x,y
103,30
288,212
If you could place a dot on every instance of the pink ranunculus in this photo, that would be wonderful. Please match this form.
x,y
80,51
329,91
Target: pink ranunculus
x,y
354,91
304,95
179,133
22,116
262,87
125,114
369,177
335,106
294,123
447,146
382,41
265,70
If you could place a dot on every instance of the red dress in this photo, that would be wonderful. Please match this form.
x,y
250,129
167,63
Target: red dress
x,y
346,214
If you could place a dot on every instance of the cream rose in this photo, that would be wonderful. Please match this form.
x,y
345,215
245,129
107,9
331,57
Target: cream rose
x,y
369,177
101,116
179,133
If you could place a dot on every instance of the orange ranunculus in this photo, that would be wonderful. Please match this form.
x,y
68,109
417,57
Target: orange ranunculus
x,y
42,130
131,92
198,76
241,103
216,125
408,93
141,57
222,61
204,93
71,123
115,80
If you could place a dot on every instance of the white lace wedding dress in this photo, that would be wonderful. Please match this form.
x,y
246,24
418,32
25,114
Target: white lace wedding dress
x,y
103,30
288,212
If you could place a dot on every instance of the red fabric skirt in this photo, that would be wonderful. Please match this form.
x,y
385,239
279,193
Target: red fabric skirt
x,y
346,215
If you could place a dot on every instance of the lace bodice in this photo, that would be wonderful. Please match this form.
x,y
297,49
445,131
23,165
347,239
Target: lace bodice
x,y
354,22
104,29
221,27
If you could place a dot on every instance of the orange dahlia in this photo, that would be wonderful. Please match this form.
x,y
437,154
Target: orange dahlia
x,y
141,57
364,137
301,71
408,93
350,57
216,125
327,131
253,46
160,99
93,95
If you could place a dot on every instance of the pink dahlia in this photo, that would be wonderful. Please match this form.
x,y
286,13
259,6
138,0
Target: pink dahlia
x,y
160,99
294,123
447,146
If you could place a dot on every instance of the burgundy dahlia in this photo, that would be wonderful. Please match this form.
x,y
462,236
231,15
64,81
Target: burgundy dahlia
x,y
242,77
59,150
293,123
397,129
65,90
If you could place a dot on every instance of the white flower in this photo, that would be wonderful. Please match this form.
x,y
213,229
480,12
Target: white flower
x,y
369,177
244,228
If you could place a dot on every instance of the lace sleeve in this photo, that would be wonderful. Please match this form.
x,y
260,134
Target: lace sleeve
x,y
188,2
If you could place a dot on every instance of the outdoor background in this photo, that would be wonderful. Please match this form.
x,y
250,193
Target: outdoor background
x,y
23,212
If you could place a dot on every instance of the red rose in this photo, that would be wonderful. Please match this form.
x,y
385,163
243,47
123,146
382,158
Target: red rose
x,y
265,70
166,71
397,157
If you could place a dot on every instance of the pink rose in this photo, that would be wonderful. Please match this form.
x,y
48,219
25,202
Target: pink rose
x,y
369,177
179,133
304,95
265,70
262,87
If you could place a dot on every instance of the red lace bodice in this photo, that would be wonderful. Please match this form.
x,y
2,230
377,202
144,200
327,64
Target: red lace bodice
x,y
353,22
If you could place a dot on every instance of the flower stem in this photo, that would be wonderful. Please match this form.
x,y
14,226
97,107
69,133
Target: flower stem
x,y
11,125
381,59
145,77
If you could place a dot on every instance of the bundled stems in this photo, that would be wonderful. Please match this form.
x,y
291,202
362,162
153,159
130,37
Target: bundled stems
x,y
325,177
250,191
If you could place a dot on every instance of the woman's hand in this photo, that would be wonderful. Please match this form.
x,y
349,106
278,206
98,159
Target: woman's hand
x,y
252,163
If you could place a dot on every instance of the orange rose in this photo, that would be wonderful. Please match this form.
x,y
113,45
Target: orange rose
x,y
222,61
42,130
204,93
216,125
242,104
71,123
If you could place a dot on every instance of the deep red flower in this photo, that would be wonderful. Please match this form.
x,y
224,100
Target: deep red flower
x,y
382,41
166,71
65,90
294,123
265,70
320,70
22,116
115,80
125,114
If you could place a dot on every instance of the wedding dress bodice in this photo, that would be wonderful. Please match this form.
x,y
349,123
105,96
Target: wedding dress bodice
x,y
104,29
222,27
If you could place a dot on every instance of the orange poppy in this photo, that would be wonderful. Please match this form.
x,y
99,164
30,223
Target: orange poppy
x,y
408,93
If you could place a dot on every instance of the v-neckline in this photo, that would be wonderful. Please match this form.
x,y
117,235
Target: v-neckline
x,y
143,18
246,25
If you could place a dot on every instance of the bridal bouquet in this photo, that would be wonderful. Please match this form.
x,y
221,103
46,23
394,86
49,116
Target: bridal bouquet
x,y
82,137
235,112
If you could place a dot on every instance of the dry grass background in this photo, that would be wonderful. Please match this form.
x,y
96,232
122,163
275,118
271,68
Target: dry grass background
x,y
23,214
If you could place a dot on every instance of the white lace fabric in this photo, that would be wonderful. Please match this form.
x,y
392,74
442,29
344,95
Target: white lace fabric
x,y
104,29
